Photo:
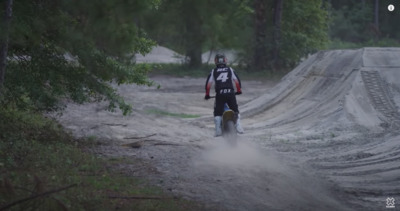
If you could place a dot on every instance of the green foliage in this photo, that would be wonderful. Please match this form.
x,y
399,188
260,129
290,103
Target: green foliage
x,y
339,44
215,25
74,50
178,70
389,26
304,29
306,26
65,49
21,125
350,23
353,23
36,157
227,24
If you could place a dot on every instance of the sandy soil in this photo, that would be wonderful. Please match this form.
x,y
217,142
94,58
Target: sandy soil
x,y
325,137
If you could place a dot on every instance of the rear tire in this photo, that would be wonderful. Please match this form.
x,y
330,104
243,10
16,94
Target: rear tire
x,y
230,132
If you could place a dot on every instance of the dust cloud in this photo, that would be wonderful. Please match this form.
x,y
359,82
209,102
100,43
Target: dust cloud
x,y
244,155
259,179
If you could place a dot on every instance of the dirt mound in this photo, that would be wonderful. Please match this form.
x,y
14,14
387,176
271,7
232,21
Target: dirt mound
x,y
339,87
159,54
339,111
231,56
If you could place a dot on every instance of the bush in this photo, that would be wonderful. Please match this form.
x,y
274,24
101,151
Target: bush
x,y
44,168
385,42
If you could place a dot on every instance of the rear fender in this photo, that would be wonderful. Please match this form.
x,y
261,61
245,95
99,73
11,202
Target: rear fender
x,y
229,115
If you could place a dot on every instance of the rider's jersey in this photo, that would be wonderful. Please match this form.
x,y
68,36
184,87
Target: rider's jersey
x,y
224,78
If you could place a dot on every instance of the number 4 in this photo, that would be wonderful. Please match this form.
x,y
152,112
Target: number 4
x,y
223,77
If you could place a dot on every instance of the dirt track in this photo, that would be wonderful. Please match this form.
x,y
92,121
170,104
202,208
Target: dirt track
x,y
324,138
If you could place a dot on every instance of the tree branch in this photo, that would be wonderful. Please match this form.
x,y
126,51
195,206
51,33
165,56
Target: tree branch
x,y
36,196
140,197
140,137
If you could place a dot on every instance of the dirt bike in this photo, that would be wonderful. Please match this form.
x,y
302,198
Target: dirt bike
x,y
228,123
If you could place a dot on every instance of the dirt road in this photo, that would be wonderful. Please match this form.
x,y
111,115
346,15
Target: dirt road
x,y
324,138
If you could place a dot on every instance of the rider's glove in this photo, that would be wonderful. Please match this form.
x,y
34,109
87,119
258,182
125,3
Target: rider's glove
x,y
238,93
207,97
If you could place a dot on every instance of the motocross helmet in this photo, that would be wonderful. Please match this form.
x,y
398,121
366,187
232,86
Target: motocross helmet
x,y
220,59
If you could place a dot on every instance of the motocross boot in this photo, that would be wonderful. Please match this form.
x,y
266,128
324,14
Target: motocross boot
x,y
239,128
218,122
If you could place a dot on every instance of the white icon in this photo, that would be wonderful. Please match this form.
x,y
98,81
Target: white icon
x,y
391,7
390,202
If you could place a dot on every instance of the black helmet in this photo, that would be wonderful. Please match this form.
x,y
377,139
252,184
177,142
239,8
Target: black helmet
x,y
220,59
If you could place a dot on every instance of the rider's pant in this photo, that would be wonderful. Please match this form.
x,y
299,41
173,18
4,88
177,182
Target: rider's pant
x,y
221,99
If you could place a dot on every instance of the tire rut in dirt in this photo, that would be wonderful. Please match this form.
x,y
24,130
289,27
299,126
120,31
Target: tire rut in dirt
x,y
380,97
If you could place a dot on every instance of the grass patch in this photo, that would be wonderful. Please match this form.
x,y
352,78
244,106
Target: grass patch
x,y
180,70
41,163
166,113
385,42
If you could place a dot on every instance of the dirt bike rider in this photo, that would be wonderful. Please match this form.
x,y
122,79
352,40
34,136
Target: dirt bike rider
x,y
224,77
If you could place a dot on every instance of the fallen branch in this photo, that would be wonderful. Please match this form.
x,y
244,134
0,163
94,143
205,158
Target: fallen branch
x,y
166,144
36,196
112,124
139,144
141,137
140,197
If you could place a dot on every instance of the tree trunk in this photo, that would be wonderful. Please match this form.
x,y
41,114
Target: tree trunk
x,y
4,36
277,32
376,19
194,34
194,43
260,51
